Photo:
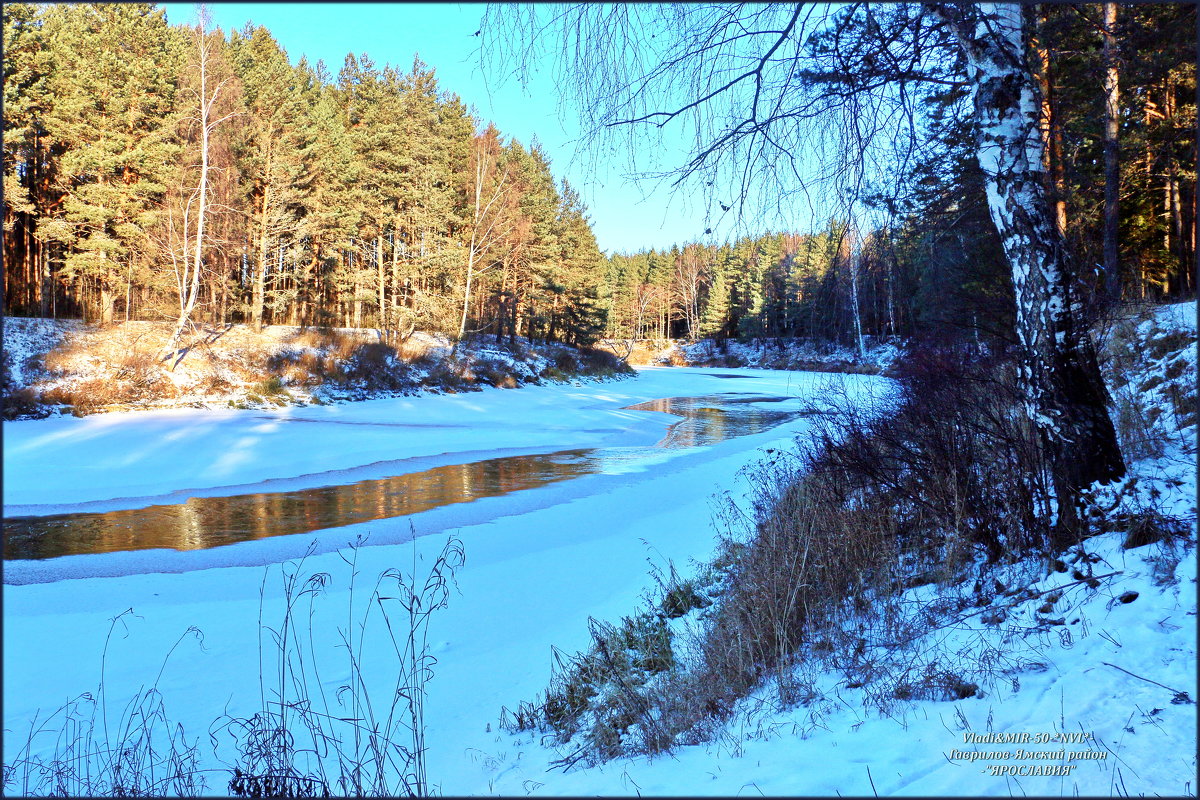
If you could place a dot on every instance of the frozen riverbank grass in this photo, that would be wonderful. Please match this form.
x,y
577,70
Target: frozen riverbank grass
x,y
305,740
50,365
901,552
131,752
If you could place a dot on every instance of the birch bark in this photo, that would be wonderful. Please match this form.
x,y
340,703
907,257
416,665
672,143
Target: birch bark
x,y
1065,394
188,275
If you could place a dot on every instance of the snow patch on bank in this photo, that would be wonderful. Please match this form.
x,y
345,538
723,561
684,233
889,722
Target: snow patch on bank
x,y
26,341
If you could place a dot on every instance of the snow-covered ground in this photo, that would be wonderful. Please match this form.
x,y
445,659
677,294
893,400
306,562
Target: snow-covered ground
x,y
55,366
26,340
538,564
772,353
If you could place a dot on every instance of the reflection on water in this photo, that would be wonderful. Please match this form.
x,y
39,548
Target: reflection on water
x,y
204,522
715,418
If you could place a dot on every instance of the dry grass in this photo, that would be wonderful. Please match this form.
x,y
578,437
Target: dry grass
x,y
889,524
121,367
305,741
351,741
880,499
138,752
639,352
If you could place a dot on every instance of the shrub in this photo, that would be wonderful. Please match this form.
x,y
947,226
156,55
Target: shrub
x,y
6,380
84,397
493,371
607,695
957,457
374,366
553,373
599,363
732,360
24,403
450,376
565,361
932,484
270,387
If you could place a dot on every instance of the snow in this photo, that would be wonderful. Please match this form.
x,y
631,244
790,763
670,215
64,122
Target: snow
x,y
793,353
1181,316
827,747
25,340
125,460
538,565
538,562
878,354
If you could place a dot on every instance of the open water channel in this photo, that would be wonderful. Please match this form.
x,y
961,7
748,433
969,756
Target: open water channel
x,y
204,522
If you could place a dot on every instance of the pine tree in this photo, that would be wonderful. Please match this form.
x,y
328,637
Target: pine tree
x,y
27,98
273,151
580,263
112,127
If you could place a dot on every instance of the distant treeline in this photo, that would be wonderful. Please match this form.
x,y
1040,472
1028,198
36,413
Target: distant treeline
x,y
138,156
831,285
936,268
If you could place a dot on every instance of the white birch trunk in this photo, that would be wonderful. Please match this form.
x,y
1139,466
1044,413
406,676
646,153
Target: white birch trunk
x,y
1065,394
855,259
190,284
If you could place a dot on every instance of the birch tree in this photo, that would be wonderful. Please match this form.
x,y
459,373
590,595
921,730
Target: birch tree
x,y
1065,394
854,263
489,188
188,262
784,102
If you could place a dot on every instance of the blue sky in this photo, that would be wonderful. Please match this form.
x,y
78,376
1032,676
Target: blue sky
x,y
627,215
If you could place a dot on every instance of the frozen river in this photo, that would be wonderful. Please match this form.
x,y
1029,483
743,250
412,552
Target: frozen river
x,y
540,558
215,520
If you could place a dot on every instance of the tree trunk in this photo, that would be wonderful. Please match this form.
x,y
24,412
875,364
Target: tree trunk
x,y
1052,158
462,325
1112,172
1065,394
356,282
379,268
856,313
260,274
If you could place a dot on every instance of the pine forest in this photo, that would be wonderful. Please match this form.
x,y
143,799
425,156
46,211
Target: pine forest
x,y
589,399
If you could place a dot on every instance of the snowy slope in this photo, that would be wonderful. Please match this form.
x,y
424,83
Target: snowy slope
x,y
1080,683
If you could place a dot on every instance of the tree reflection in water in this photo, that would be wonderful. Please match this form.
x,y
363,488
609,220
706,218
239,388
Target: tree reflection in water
x,y
204,522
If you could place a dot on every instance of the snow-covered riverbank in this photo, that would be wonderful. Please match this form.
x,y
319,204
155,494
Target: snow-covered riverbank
x,y
538,562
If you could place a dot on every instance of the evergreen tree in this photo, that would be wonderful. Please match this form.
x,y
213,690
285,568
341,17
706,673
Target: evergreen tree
x,y
27,99
111,128
273,152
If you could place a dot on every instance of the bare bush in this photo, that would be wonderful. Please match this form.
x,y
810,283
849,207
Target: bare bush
x,y
929,486
598,363
24,403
